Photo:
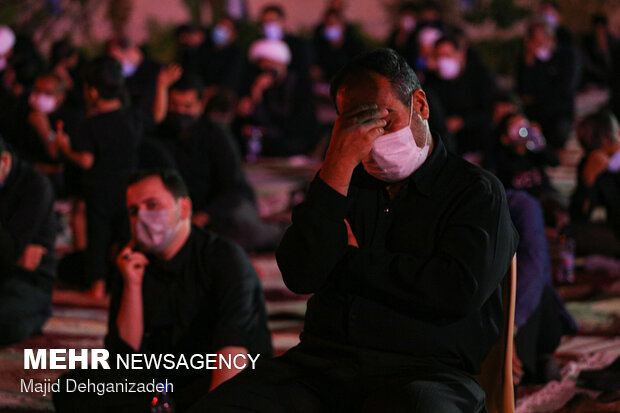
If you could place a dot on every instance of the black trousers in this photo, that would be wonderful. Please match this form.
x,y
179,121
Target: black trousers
x,y
540,335
24,308
318,378
106,222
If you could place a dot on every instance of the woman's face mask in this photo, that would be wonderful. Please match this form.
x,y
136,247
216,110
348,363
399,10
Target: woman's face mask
x,y
333,33
448,67
395,156
220,35
153,231
42,102
273,30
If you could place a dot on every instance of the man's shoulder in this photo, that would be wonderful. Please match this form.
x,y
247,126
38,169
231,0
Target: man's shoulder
x,y
472,177
31,180
216,250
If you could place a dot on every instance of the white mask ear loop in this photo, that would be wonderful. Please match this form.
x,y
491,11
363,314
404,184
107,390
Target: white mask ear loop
x,y
411,118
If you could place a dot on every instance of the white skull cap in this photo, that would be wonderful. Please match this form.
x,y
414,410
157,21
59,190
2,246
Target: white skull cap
x,y
7,39
270,49
428,36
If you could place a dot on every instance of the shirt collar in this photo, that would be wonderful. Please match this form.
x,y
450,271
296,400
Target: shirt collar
x,y
425,176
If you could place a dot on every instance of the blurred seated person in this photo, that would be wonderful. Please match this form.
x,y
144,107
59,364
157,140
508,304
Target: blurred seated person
x,y
7,41
277,117
425,60
540,316
106,149
595,204
68,63
335,43
597,49
191,46
210,164
177,290
218,60
403,38
27,259
272,25
547,79
225,61
48,109
522,156
551,14
139,71
466,92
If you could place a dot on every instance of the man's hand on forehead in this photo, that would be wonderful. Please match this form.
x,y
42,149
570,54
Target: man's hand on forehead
x,y
364,113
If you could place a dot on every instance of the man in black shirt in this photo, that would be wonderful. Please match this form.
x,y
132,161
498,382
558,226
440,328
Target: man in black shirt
x,y
106,148
211,165
598,184
465,90
547,78
181,291
404,247
27,259
139,71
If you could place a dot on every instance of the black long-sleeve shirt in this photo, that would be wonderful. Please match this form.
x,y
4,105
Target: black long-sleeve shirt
x,y
27,217
425,280
205,298
469,96
211,167
605,192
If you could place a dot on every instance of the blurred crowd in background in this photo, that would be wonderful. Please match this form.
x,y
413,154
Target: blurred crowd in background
x,y
87,124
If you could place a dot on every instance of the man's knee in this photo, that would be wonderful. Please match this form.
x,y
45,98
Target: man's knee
x,y
426,397
17,330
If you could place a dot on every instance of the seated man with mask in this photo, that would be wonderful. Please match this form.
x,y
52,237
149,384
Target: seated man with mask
x,y
404,246
180,291
209,163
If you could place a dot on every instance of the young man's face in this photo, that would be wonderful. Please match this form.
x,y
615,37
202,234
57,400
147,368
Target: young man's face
x,y
150,194
185,102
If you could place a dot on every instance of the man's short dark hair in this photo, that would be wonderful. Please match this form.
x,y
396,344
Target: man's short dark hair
x,y
105,74
275,8
61,49
171,179
595,129
189,81
448,38
384,62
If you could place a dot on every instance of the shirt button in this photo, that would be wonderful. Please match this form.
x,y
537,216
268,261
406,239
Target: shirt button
x,y
386,209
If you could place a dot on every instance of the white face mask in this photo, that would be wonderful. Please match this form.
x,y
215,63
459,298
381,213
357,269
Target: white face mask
x,y
408,23
448,68
543,53
153,231
395,156
129,69
42,102
333,33
273,31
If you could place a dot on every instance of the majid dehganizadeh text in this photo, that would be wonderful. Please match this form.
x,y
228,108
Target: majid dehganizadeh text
x,y
61,359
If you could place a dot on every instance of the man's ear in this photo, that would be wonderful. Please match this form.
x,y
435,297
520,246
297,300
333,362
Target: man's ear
x,y
186,208
420,105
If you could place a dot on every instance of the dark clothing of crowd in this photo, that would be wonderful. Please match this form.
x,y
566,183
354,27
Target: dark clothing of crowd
x,y
26,218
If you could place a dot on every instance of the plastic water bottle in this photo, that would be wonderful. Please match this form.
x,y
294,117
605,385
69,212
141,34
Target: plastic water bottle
x,y
162,401
255,145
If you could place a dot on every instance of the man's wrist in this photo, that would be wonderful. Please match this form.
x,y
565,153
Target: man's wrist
x,y
337,175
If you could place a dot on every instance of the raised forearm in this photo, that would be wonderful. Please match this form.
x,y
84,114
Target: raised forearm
x,y
130,320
